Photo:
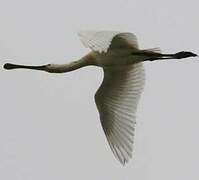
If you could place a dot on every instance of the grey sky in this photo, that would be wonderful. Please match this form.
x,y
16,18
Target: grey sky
x,y
50,127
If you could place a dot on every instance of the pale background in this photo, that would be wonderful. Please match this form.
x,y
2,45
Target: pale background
x,y
49,125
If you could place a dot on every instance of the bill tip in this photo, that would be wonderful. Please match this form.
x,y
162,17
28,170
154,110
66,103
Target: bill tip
x,y
7,66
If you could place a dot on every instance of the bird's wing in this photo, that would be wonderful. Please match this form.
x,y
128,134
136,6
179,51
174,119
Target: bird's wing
x,y
101,41
117,100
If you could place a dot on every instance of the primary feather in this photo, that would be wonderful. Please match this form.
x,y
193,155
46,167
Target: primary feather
x,y
117,100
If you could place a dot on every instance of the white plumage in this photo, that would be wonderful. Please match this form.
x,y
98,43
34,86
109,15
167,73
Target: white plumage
x,y
119,93
97,40
100,41
117,100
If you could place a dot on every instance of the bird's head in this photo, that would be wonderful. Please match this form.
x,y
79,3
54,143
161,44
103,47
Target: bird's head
x,y
184,54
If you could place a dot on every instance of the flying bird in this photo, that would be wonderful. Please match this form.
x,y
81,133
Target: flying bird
x,y
117,97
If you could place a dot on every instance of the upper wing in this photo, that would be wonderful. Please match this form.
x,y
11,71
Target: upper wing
x,y
101,41
117,100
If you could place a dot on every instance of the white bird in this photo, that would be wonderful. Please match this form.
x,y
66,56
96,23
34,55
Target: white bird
x,y
117,97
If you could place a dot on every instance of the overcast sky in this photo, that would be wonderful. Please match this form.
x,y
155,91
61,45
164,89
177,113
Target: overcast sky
x,y
49,125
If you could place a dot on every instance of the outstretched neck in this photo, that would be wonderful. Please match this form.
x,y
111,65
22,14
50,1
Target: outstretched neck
x,y
62,68
53,68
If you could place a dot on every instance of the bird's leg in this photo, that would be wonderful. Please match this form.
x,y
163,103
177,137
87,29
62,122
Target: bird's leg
x,y
182,54
179,55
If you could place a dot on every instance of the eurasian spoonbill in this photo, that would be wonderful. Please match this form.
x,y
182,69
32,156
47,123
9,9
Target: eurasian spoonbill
x,y
117,97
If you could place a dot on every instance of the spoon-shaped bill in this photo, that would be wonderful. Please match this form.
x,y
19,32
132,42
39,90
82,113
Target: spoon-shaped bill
x,y
10,66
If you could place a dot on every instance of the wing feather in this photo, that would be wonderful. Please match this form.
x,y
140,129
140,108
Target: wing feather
x,y
101,41
117,100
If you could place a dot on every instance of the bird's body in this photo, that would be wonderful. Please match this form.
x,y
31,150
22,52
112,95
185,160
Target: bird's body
x,y
118,96
116,58
122,49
